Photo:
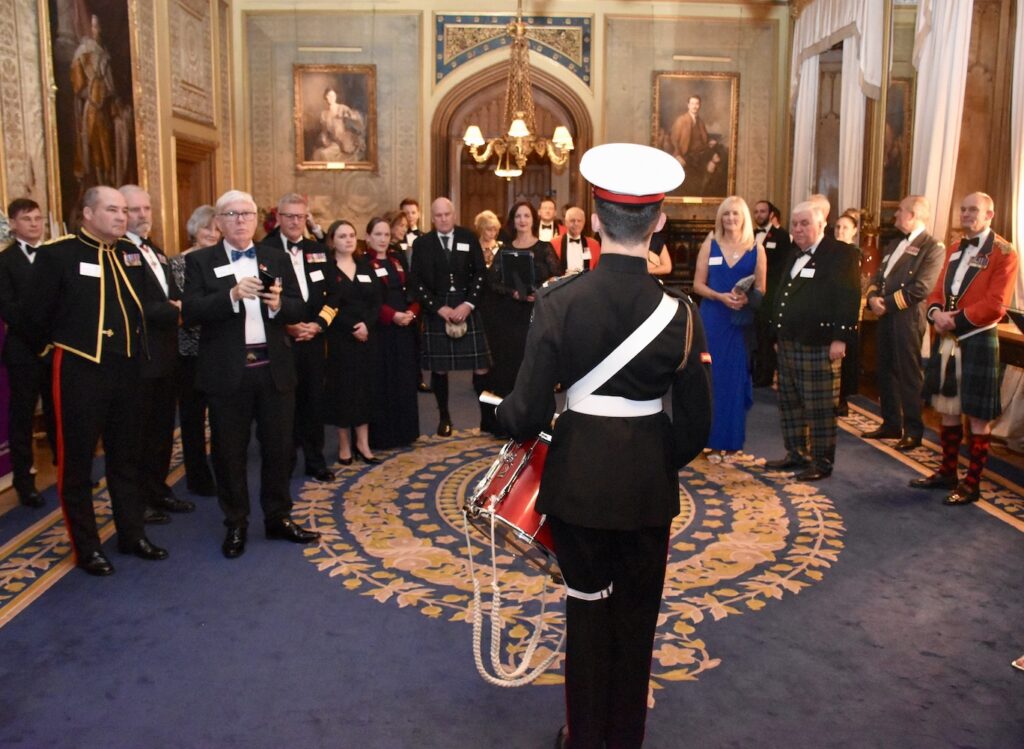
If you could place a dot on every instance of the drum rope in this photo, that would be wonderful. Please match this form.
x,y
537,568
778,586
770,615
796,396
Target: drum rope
x,y
503,677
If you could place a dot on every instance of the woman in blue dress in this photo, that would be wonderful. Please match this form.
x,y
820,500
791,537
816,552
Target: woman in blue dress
x,y
730,276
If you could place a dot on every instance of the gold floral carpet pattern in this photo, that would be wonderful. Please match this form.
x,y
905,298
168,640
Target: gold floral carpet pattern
x,y
745,539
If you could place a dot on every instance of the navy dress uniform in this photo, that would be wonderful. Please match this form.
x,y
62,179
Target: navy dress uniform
x,y
610,486
88,301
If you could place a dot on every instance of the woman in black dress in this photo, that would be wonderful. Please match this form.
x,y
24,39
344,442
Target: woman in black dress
x,y
352,347
395,421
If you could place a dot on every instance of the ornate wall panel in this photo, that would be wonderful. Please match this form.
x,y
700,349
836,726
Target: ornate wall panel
x,y
191,35
273,46
147,108
226,130
749,46
23,146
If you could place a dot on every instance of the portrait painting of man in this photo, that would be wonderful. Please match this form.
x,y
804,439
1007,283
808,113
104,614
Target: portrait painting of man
x,y
336,116
694,119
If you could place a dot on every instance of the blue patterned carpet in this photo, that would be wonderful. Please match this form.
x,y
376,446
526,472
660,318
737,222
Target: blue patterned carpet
x,y
852,612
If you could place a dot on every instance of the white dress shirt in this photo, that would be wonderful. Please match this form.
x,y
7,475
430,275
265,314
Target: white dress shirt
x,y
151,260
804,259
298,264
966,256
900,249
255,333
573,254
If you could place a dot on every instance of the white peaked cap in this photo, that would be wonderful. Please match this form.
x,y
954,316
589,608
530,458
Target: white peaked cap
x,y
631,173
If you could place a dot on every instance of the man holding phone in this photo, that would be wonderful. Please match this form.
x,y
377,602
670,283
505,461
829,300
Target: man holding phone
x,y
242,297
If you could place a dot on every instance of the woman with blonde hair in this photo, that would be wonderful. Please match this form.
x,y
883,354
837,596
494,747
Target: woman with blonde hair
x,y
731,274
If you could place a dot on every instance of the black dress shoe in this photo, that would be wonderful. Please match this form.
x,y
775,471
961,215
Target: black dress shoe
x,y
908,443
444,426
173,504
843,409
788,463
369,460
287,530
31,499
153,516
97,564
234,543
424,387
322,475
934,481
143,549
345,461
813,473
882,433
962,495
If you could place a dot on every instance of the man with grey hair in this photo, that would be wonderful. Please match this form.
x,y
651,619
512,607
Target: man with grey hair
x,y
88,303
575,252
905,277
243,296
307,261
814,318
160,369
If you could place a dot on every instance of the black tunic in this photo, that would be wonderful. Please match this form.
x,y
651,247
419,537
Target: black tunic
x,y
351,364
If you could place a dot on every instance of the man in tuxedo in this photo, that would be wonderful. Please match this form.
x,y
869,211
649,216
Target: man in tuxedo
x,y
905,277
307,261
815,317
775,241
549,226
411,208
158,393
243,296
446,278
88,301
962,376
575,252
28,373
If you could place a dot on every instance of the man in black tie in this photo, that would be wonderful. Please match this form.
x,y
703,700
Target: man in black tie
x,y
775,241
575,252
446,278
159,371
549,226
905,277
815,317
307,261
411,208
88,298
28,373
243,296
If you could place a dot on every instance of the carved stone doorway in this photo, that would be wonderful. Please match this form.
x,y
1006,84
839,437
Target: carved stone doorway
x,y
474,187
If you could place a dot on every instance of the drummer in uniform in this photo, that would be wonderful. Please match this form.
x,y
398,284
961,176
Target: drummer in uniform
x,y
610,487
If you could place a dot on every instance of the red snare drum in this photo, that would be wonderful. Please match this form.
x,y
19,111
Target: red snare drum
x,y
508,492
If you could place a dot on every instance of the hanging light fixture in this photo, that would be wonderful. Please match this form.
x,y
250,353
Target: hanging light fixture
x,y
514,148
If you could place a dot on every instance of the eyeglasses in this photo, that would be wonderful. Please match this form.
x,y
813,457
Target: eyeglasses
x,y
235,215
293,216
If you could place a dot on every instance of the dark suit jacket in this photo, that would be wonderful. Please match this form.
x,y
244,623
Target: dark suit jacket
x,y
432,273
320,279
15,289
207,303
822,303
161,319
912,278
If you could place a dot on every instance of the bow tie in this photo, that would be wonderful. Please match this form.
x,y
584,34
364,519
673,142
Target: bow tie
x,y
973,241
577,240
294,246
29,249
547,226
904,237
237,255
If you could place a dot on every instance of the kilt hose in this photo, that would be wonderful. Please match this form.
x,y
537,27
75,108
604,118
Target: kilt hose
x,y
808,394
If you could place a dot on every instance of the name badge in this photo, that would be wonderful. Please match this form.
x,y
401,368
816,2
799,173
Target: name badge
x,y
462,246
381,272
769,245
317,275
222,271
807,273
715,260
89,269
316,257
363,278
911,250
885,259
955,256
586,254
132,260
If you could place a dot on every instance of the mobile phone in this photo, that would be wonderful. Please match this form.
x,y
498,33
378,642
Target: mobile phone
x,y
268,280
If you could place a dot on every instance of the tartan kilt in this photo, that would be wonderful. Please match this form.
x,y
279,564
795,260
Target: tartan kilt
x,y
980,375
441,353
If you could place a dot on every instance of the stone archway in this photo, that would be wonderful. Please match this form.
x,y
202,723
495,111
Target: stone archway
x,y
480,100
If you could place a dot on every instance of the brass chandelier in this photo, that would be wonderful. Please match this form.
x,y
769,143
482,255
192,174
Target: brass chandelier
x,y
514,148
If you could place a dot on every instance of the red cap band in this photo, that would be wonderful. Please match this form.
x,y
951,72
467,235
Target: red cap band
x,y
617,197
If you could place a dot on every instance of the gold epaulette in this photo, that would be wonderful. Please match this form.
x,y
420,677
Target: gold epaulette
x,y
59,239
1003,246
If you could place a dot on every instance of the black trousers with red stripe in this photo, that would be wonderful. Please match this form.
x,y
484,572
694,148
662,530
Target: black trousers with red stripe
x,y
609,641
93,401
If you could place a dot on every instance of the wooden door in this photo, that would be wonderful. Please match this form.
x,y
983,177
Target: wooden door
x,y
195,181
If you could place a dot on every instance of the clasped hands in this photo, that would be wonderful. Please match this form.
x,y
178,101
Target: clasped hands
x,y
455,315
944,322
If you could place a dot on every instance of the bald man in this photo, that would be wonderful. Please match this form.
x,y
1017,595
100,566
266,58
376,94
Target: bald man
x,y
575,252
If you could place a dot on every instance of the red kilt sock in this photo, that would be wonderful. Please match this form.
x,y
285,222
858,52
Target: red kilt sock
x,y
951,437
979,457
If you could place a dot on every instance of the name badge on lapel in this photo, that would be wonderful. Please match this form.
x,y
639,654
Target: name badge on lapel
x,y
912,250
222,271
769,245
462,246
132,260
955,256
807,273
317,275
715,260
316,257
89,269
363,278
586,254
381,272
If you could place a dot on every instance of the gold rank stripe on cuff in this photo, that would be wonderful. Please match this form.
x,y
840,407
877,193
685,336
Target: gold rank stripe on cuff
x,y
901,299
327,314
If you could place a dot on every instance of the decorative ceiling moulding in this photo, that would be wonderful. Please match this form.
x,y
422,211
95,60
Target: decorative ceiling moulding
x,y
459,38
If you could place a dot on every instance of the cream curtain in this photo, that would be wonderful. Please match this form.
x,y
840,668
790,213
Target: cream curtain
x,y
804,120
940,55
851,129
